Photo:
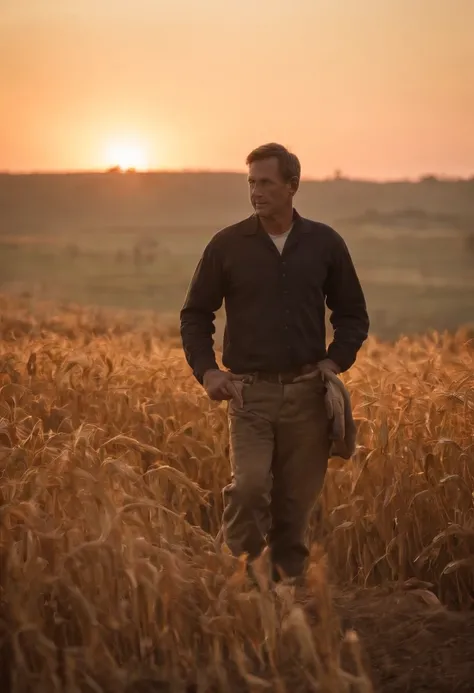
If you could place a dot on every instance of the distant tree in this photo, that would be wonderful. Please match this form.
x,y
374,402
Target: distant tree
x,y
114,169
429,179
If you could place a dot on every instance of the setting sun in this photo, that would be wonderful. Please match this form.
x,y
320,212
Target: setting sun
x,y
126,155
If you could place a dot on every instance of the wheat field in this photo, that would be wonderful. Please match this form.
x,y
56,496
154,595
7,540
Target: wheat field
x,y
112,462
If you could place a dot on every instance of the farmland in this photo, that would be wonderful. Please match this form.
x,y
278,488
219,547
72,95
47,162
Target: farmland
x,y
112,462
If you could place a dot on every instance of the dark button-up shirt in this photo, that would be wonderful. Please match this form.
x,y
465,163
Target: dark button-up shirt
x,y
274,304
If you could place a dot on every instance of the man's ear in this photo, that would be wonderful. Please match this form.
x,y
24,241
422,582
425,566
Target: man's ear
x,y
294,185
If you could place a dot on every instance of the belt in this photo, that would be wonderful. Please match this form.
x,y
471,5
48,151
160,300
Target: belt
x,y
285,377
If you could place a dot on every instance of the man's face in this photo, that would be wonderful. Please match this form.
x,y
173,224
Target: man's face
x,y
269,192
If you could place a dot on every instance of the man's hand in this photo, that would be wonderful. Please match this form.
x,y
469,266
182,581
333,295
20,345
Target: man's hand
x,y
329,365
321,367
222,385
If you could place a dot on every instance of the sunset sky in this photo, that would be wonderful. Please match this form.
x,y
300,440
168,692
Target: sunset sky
x,y
377,88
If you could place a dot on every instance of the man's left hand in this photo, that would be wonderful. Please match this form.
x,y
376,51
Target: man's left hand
x,y
323,366
329,365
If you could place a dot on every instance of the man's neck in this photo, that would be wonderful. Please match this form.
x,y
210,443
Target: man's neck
x,y
277,225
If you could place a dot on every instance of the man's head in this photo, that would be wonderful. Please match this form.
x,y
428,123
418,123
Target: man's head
x,y
274,177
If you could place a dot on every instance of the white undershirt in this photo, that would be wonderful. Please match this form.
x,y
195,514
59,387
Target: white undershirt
x,y
280,239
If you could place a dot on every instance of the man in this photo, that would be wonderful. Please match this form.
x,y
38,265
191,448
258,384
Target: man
x,y
274,270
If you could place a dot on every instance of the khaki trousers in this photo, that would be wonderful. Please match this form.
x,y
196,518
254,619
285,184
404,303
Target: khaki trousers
x,y
279,450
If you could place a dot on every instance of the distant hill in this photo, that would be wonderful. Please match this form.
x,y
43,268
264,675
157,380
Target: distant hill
x,y
133,240
47,202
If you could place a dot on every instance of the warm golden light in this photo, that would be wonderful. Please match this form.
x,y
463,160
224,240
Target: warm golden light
x,y
126,155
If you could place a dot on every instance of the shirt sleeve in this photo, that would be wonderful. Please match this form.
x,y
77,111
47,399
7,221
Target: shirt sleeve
x,y
204,297
346,301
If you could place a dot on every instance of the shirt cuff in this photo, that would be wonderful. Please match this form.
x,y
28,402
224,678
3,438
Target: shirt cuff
x,y
342,355
202,367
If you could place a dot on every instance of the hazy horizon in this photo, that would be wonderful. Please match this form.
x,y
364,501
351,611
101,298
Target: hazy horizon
x,y
379,91
243,172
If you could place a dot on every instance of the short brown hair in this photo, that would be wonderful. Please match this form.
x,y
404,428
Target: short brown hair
x,y
289,164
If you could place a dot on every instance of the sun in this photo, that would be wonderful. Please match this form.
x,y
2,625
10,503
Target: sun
x,y
126,154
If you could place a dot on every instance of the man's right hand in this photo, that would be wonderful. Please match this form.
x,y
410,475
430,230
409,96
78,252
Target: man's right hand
x,y
222,385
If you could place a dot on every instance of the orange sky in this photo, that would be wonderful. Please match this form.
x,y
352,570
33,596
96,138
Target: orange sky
x,y
376,88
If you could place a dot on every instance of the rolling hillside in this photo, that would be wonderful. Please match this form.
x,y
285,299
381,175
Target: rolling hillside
x,y
133,240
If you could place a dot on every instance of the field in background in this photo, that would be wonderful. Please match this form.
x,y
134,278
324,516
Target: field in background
x,y
132,241
113,461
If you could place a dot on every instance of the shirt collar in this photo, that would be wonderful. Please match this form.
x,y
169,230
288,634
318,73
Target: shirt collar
x,y
253,224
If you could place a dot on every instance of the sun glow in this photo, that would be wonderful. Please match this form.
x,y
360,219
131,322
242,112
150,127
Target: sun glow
x,y
126,154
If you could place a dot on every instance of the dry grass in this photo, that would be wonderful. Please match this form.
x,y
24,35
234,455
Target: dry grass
x,y
112,463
